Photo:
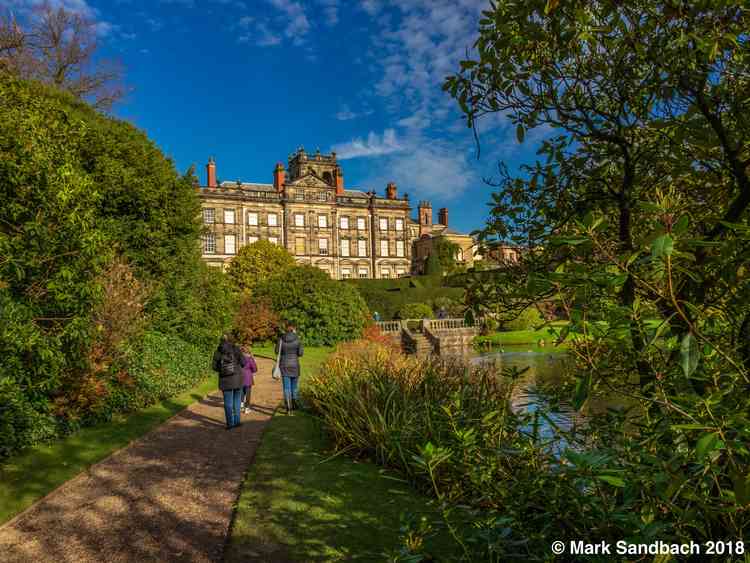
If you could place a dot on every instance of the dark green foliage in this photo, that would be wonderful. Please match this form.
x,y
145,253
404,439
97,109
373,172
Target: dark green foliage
x,y
433,266
637,223
325,311
387,297
156,367
79,189
416,311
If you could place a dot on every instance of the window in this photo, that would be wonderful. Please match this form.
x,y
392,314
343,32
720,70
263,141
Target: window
x,y
299,195
322,196
361,223
252,239
229,216
273,220
385,273
361,248
344,247
208,216
346,273
323,246
384,248
230,244
400,248
399,224
363,273
322,221
344,222
252,219
383,223
299,220
209,243
299,246
273,240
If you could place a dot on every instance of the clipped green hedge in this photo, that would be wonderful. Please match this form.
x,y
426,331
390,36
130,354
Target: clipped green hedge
x,y
160,366
387,297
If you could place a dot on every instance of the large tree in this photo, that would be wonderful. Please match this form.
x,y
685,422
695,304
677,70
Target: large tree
x,y
636,219
57,46
257,262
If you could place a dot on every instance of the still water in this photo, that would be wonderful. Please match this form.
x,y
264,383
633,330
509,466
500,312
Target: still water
x,y
548,418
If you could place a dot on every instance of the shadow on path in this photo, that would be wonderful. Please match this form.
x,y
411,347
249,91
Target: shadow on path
x,y
166,497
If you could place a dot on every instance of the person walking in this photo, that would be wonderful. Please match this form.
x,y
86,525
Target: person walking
x,y
248,376
289,349
228,362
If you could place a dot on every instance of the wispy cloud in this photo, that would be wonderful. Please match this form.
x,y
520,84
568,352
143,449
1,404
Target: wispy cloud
x,y
429,169
346,114
330,11
297,24
374,145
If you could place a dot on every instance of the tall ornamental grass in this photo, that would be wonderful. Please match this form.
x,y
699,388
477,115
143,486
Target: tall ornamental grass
x,y
503,492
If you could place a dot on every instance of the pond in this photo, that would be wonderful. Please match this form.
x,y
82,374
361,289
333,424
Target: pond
x,y
548,416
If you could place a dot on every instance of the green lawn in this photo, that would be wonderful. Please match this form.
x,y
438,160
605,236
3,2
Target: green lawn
x,y
299,504
310,362
40,469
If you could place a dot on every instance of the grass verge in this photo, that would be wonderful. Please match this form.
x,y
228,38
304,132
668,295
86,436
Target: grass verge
x,y
37,471
313,357
298,504
517,337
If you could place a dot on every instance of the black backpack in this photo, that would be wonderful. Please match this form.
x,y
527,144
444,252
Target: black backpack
x,y
226,364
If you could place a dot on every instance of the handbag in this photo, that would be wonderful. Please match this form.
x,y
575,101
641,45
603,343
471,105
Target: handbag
x,y
276,372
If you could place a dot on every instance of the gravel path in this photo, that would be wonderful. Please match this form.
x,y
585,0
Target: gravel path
x,y
166,497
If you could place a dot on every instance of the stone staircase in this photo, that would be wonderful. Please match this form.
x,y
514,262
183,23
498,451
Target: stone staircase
x,y
417,344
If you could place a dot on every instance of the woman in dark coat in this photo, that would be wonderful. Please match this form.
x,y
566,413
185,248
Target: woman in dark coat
x,y
228,355
291,351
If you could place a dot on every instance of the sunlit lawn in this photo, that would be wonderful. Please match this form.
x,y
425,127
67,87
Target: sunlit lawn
x,y
29,476
299,504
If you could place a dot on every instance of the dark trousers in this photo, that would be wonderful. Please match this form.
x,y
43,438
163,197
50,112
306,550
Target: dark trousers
x,y
232,402
247,390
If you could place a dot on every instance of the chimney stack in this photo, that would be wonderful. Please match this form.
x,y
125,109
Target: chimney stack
x,y
390,191
211,172
443,216
339,181
425,217
279,176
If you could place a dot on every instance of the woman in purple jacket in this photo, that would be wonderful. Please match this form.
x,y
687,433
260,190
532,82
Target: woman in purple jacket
x,y
248,375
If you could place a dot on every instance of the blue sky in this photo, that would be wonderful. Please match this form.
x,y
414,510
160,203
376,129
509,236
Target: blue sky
x,y
249,81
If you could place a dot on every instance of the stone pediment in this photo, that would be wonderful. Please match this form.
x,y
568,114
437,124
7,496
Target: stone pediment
x,y
309,181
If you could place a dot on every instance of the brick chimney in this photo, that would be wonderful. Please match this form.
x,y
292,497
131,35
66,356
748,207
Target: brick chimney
x,y
339,181
211,172
425,218
279,177
390,191
443,216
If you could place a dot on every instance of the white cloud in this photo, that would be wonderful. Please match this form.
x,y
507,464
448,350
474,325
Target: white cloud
x,y
297,25
425,169
346,114
375,145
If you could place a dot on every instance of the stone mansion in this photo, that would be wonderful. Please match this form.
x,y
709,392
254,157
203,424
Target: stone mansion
x,y
347,233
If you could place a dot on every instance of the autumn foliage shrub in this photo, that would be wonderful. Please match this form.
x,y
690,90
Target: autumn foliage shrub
x,y
256,320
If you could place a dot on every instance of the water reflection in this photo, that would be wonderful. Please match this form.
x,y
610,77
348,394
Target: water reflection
x,y
550,420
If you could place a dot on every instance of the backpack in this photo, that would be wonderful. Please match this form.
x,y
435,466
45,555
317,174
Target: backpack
x,y
226,365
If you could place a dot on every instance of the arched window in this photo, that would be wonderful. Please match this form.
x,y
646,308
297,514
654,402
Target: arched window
x,y
328,178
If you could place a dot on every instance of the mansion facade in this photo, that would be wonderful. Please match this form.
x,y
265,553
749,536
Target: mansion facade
x,y
347,233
